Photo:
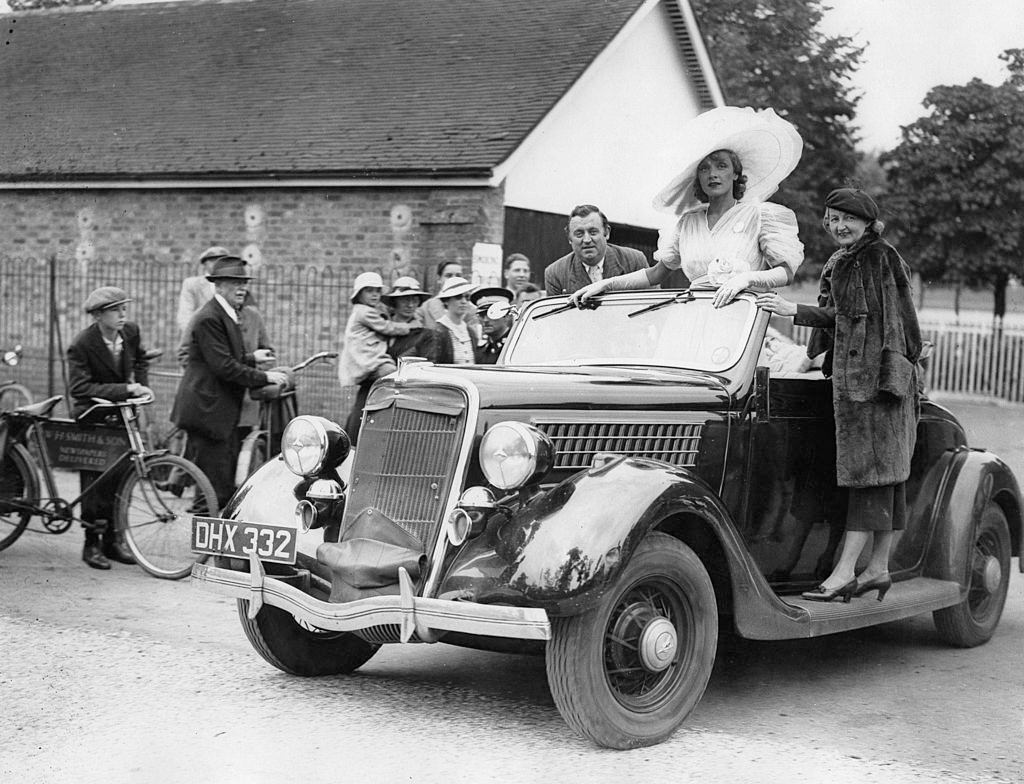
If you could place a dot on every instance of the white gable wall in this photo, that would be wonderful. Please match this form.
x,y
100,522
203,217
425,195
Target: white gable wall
x,y
610,140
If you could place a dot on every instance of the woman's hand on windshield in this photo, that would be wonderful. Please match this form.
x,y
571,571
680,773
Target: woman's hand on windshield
x,y
729,290
578,298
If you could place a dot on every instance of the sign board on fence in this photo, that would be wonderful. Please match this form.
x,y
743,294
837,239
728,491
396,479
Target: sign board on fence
x,y
83,447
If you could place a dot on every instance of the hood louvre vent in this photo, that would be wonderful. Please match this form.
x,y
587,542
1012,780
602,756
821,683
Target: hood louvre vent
x,y
576,443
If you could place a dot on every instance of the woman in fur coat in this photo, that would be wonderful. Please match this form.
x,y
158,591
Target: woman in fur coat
x,y
869,308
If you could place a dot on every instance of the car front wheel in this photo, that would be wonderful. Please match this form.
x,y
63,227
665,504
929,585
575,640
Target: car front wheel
x,y
301,650
974,620
630,671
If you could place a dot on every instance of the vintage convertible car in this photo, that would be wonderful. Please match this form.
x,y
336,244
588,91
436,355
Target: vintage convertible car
x,y
624,483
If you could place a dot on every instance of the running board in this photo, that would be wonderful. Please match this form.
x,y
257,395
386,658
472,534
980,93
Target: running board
x,y
905,599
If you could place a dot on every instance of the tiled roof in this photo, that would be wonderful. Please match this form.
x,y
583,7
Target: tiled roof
x,y
287,88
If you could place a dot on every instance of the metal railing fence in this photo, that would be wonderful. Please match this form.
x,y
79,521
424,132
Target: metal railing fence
x,y
305,309
970,359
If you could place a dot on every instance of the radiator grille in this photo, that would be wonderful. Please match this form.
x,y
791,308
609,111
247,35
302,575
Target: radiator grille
x,y
576,443
404,467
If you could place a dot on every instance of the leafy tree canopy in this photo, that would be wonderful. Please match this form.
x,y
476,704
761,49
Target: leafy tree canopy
x,y
957,183
772,55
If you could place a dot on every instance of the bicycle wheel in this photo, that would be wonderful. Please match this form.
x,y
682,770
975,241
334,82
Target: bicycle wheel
x,y
18,486
155,512
252,455
14,395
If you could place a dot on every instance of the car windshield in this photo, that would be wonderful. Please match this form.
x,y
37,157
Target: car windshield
x,y
688,333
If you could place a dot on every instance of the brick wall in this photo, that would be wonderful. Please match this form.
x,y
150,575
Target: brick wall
x,y
309,243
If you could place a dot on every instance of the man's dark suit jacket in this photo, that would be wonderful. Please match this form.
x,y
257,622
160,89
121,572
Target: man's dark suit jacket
x,y
93,371
218,373
567,275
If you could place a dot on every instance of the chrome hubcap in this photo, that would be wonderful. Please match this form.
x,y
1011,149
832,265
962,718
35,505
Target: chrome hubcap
x,y
991,574
658,644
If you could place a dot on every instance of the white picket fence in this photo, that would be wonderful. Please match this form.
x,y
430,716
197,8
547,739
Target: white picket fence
x,y
970,358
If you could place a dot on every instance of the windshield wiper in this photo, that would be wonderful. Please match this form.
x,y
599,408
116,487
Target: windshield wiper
x,y
590,304
682,296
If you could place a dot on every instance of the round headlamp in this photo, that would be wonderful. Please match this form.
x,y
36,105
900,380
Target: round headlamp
x,y
311,443
513,454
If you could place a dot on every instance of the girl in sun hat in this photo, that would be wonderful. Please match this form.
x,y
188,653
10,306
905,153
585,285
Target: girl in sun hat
x,y
726,235
364,356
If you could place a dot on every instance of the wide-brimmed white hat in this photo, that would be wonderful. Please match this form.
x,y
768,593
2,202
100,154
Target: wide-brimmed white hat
x,y
365,280
406,287
768,147
455,286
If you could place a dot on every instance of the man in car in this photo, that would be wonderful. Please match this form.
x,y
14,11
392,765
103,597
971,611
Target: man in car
x,y
218,374
593,258
494,309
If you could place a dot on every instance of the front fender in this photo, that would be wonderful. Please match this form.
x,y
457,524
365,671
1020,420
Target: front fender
x,y
563,549
976,478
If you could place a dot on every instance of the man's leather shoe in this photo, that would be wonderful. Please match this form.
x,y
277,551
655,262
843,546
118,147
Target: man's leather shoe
x,y
116,550
93,555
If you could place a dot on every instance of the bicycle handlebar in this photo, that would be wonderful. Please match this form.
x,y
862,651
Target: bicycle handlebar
x,y
315,358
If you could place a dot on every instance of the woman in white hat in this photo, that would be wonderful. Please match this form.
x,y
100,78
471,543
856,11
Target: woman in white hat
x,y
726,234
454,295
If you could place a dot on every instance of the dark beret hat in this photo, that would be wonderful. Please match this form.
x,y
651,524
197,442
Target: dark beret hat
x,y
854,201
105,297
229,267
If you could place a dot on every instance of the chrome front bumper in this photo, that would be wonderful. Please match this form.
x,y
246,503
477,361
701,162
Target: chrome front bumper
x,y
413,614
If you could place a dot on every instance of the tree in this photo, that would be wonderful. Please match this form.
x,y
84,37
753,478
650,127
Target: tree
x,y
772,55
957,183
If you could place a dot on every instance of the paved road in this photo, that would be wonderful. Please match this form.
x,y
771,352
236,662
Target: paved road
x,y
118,677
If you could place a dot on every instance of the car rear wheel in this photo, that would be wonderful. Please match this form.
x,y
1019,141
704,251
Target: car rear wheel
x,y
302,650
629,672
974,620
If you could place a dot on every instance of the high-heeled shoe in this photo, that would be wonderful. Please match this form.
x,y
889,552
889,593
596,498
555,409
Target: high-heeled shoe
x,y
881,584
823,594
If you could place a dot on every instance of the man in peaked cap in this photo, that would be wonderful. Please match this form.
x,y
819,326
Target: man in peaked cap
x,y
494,307
219,371
105,360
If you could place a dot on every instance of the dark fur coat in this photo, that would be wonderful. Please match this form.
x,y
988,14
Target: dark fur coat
x,y
876,344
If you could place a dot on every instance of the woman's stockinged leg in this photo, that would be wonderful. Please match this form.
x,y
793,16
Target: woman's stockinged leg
x,y
843,572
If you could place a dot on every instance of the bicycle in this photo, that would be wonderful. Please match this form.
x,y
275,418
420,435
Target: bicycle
x,y
154,514
13,394
278,406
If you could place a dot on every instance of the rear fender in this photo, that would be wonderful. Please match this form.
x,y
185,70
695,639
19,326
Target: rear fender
x,y
976,478
563,549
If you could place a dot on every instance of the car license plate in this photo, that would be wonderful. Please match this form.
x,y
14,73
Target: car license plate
x,y
238,538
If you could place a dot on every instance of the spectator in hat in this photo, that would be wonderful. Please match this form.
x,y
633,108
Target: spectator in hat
x,y
433,308
364,354
404,300
208,405
495,311
105,360
462,336
196,290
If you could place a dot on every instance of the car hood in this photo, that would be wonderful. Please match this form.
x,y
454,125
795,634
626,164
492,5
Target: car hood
x,y
604,388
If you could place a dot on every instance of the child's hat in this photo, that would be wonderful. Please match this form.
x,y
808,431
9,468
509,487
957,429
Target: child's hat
x,y
365,280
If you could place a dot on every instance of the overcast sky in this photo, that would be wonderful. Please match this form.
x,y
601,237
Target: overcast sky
x,y
914,45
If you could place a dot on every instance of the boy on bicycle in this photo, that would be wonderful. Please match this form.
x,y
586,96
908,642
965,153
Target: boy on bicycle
x,y
105,360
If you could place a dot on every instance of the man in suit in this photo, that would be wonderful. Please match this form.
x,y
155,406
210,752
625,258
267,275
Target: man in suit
x,y
105,360
218,374
592,258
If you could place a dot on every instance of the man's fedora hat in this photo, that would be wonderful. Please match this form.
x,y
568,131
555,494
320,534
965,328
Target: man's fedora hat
x,y
229,268
105,297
